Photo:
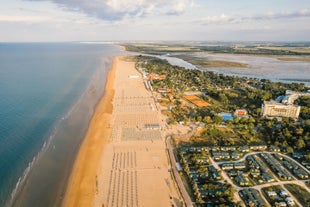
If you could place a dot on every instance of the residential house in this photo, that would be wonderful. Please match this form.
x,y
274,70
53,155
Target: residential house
x,y
239,165
242,180
227,166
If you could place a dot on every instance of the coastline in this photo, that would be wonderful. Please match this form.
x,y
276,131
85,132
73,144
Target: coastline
x,y
121,161
44,179
79,191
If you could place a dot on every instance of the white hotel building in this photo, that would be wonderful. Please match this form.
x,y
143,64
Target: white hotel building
x,y
275,109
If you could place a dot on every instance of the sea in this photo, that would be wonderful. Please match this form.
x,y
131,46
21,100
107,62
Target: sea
x,y
48,93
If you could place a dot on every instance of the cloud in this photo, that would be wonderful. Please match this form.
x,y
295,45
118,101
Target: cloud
x,y
23,19
223,19
215,19
113,10
283,15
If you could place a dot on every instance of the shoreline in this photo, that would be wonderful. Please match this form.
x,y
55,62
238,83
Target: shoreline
x,y
67,131
78,191
122,162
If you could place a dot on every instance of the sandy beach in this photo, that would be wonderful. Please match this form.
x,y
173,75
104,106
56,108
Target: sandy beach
x,y
81,187
123,159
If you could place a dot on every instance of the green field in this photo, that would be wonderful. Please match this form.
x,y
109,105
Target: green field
x,y
159,48
204,63
286,49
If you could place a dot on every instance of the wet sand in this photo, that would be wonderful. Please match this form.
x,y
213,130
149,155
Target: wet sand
x,y
81,187
123,160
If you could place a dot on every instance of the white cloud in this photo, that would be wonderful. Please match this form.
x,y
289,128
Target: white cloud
x,y
119,9
214,19
222,19
24,19
282,15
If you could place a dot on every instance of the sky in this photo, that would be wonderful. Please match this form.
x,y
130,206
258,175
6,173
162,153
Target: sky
x,y
152,20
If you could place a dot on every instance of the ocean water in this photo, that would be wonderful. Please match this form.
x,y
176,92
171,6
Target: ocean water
x,y
48,92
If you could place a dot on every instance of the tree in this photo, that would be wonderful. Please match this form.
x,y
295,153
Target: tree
x,y
289,149
199,119
229,123
251,120
299,131
223,98
284,144
218,119
207,119
266,95
243,120
237,119
287,133
300,143
308,156
258,111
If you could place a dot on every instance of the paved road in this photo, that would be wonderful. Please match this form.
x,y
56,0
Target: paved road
x,y
237,198
178,179
225,177
279,182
